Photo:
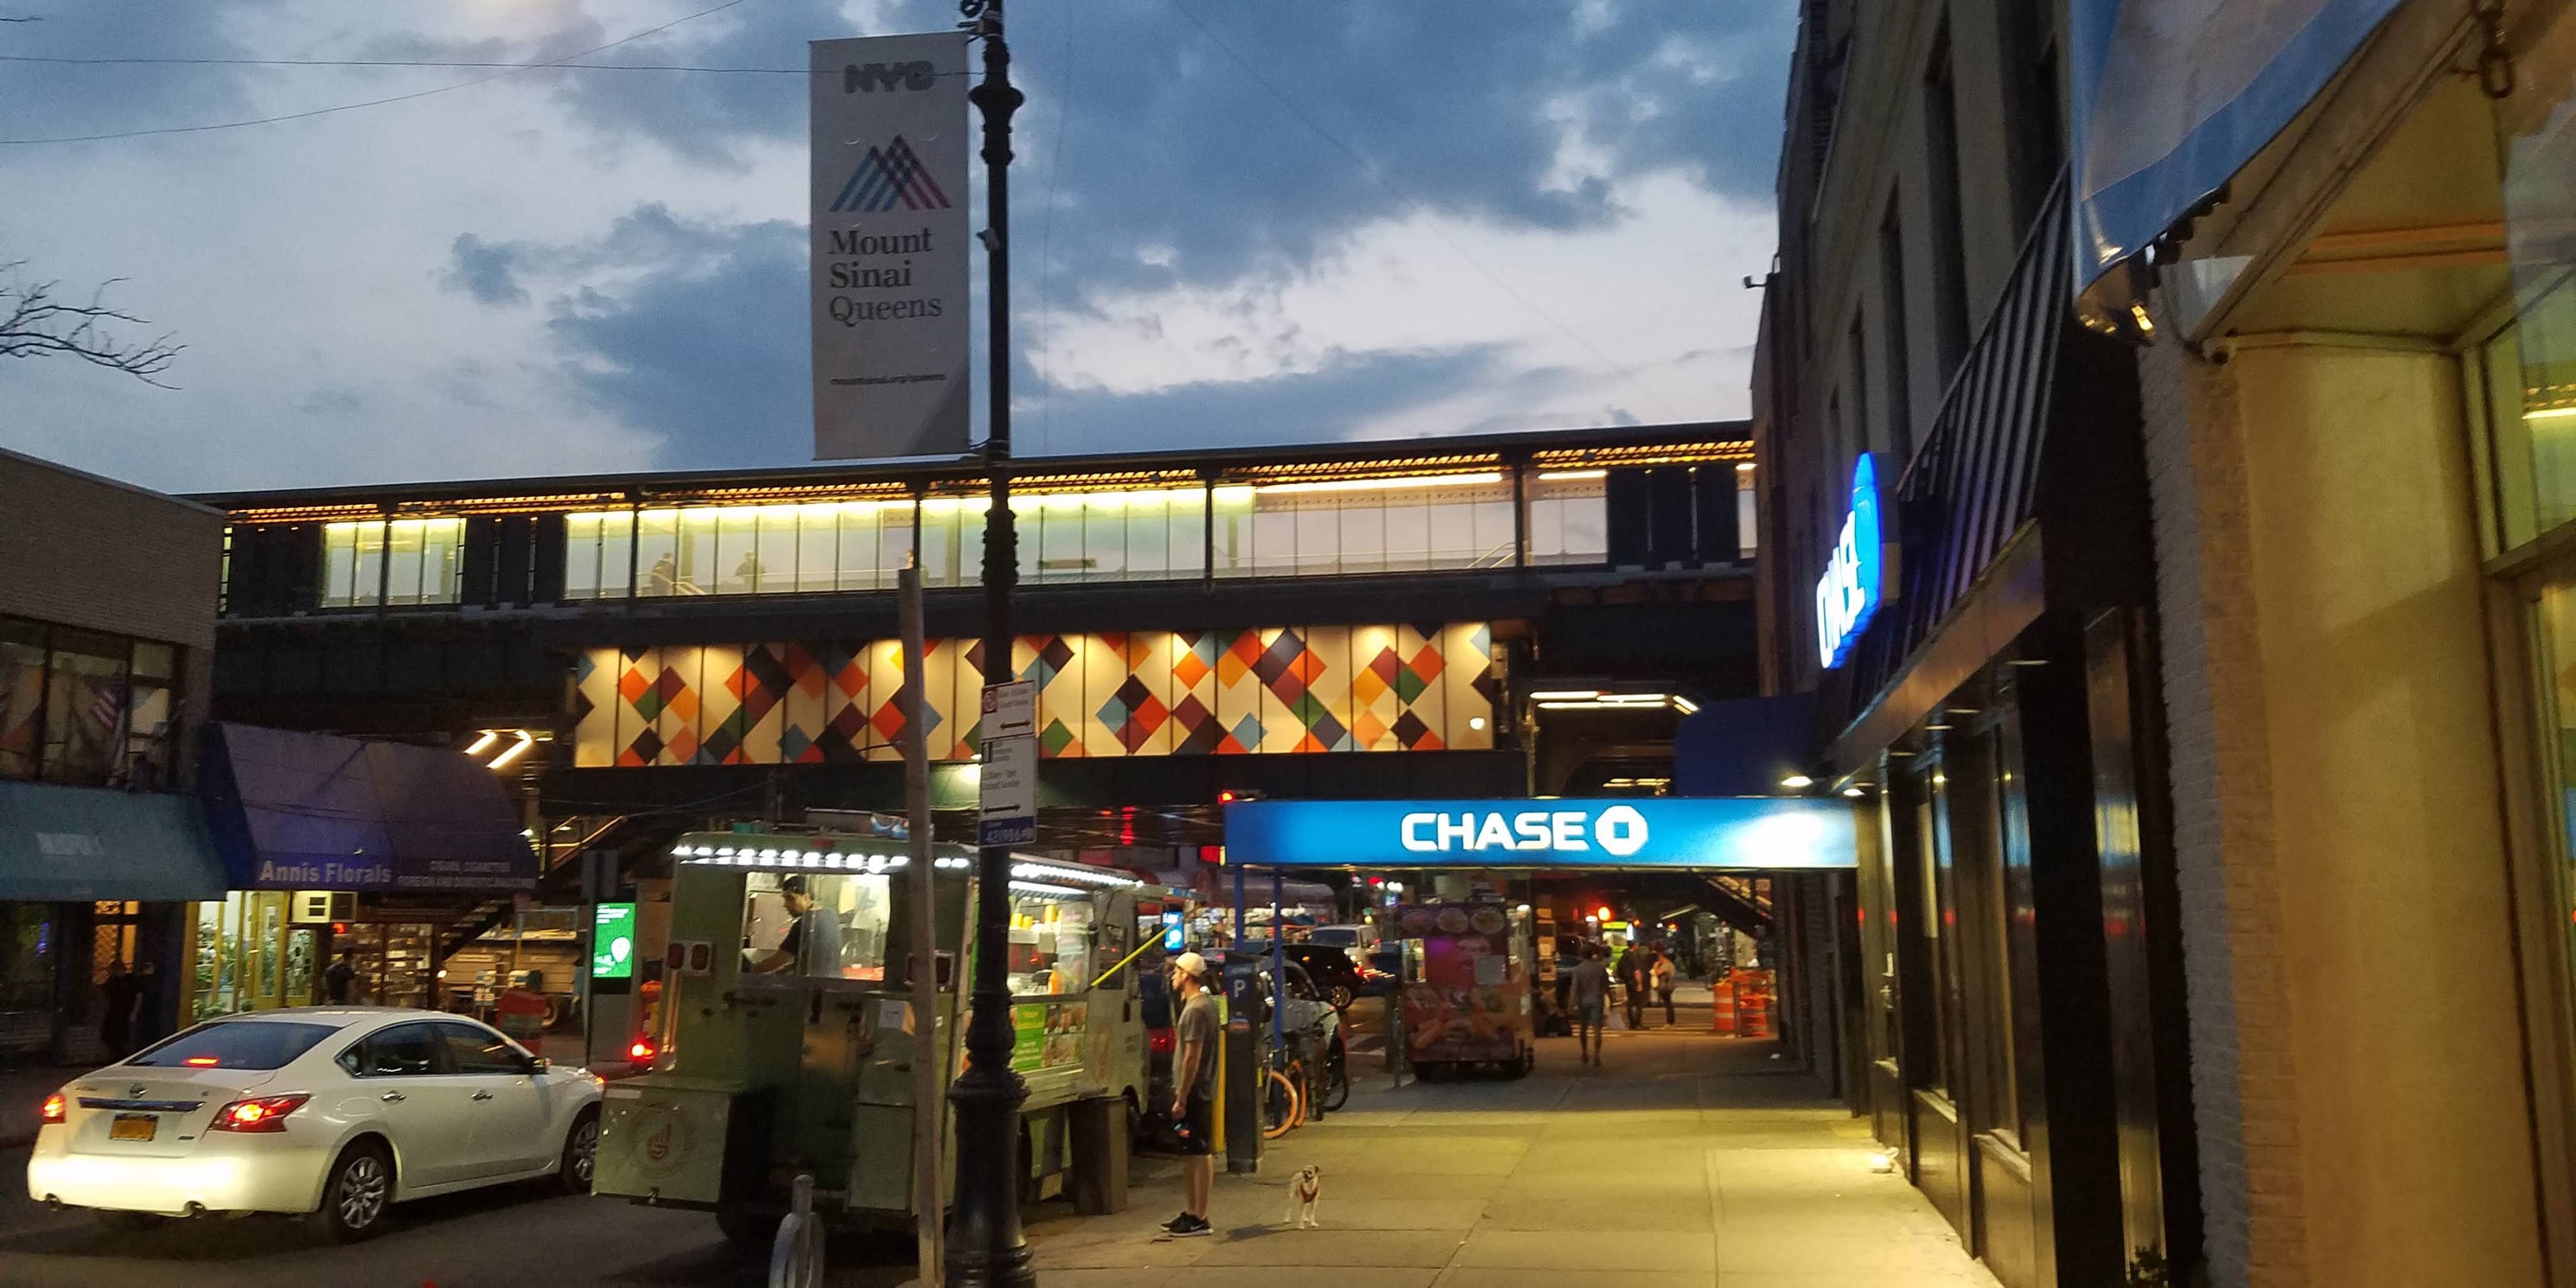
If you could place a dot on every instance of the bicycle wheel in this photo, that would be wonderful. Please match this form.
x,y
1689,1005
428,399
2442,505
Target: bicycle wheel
x,y
1337,1086
1279,1105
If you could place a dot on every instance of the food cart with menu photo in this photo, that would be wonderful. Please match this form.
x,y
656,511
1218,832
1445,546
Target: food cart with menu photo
x,y
785,1046
1466,997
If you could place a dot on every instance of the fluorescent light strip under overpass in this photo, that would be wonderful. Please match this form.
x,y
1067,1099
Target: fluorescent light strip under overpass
x,y
1748,832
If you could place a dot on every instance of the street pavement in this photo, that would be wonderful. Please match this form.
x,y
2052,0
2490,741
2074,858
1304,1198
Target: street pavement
x,y
1687,1159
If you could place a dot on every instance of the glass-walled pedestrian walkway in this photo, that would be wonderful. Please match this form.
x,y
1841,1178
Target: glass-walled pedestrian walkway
x,y
1342,527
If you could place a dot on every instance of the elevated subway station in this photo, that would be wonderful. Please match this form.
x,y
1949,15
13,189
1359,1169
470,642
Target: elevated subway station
x,y
644,654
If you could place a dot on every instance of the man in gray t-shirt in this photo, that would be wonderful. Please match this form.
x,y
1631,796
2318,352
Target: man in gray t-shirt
x,y
1194,1092
1591,994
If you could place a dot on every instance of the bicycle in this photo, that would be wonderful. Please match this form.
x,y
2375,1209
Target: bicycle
x,y
1336,1091
1283,1107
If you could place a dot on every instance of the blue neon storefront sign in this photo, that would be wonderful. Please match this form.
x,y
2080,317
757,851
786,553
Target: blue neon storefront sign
x,y
1619,832
1848,595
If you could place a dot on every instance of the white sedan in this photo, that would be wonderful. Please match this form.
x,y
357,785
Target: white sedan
x,y
333,1112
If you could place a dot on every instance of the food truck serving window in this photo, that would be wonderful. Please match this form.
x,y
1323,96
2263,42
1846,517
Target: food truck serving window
x,y
815,925
1051,942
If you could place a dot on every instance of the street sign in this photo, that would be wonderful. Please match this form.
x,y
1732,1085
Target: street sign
x,y
612,942
1010,710
1010,791
1007,736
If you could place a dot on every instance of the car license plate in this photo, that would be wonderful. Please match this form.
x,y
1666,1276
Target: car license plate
x,y
133,1127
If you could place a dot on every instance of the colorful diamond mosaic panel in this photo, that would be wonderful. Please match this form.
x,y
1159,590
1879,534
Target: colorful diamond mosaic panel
x,y
1272,690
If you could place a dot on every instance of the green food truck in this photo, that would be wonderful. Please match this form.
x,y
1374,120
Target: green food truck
x,y
785,1041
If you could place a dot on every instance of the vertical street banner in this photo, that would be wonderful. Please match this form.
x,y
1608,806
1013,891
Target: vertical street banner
x,y
889,142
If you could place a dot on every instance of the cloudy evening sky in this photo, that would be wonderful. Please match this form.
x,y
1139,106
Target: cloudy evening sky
x,y
1431,219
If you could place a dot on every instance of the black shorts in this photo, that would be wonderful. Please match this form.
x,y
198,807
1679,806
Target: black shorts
x,y
1197,1127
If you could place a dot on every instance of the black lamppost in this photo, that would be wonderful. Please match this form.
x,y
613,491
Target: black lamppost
x,y
985,1246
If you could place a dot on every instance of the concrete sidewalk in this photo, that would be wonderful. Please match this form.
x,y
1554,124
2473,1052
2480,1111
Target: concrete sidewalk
x,y
1687,1160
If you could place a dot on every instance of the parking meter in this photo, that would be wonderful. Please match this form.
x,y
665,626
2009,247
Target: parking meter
x,y
1243,1072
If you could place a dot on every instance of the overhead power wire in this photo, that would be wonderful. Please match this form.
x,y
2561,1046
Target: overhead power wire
x,y
57,60
511,70
1370,170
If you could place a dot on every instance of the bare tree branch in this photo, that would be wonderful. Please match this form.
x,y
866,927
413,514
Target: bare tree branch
x,y
34,324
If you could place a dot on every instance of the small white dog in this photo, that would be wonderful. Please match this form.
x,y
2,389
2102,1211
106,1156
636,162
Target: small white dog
x,y
1305,1190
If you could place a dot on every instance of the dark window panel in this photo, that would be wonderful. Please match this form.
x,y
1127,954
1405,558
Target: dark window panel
x,y
1627,494
547,579
482,560
1668,517
1713,497
515,550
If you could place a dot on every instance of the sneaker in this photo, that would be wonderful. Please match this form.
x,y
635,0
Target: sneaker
x,y
1189,1227
1176,1224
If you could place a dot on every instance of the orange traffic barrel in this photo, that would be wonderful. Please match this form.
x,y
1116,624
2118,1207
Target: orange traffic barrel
x,y
1722,1010
1754,1006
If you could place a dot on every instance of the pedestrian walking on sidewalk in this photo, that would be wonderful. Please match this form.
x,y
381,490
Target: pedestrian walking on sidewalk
x,y
1633,979
1661,973
1591,992
338,981
1194,1094
118,996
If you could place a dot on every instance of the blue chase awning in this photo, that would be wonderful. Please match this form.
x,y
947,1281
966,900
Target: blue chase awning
x,y
1768,833
80,844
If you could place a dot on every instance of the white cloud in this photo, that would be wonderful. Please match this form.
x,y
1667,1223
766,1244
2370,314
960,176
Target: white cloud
x,y
301,265
304,264
1658,294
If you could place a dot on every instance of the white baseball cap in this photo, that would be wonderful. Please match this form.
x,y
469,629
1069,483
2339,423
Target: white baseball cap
x,y
1192,965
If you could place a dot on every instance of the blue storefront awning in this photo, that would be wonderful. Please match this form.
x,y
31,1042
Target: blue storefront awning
x,y
81,844
1616,832
2170,98
293,811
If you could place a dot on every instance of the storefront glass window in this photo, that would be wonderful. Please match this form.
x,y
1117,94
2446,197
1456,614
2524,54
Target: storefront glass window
x,y
84,707
2554,647
152,690
2530,369
22,696
28,946
215,959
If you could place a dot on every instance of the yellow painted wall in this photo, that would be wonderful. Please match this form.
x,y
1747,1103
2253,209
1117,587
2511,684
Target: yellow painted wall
x,y
2396,939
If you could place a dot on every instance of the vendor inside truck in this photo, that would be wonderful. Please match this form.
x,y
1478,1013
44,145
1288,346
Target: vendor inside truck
x,y
813,934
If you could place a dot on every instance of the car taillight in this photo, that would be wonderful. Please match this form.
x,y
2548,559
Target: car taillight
x,y
1161,1041
55,1109
641,1051
265,1114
